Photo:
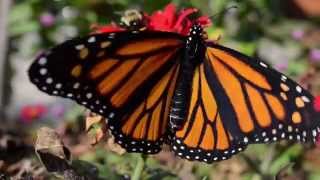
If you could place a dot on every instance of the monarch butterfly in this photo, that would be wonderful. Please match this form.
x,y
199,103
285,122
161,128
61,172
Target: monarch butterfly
x,y
207,101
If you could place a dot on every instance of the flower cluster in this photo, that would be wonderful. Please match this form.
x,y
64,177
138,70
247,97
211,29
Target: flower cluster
x,y
168,20
31,113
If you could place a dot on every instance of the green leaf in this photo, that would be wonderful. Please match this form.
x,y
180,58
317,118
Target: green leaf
x,y
285,158
22,28
217,6
20,13
297,67
314,176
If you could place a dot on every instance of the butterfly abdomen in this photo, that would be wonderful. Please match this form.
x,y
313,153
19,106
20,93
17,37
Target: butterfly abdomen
x,y
181,95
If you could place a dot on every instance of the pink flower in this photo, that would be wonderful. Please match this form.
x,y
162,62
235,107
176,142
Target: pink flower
x,y
47,19
29,113
168,20
297,34
314,55
282,66
57,111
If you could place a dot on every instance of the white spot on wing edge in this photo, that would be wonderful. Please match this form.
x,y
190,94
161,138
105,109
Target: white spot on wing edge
x,y
92,39
42,61
43,71
299,89
80,46
111,35
283,78
263,64
49,80
59,86
245,140
89,95
76,85
305,99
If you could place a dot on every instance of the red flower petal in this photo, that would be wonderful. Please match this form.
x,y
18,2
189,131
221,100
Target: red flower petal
x,y
183,17
316,104
204,21
163,20
170,14
171,21
106,29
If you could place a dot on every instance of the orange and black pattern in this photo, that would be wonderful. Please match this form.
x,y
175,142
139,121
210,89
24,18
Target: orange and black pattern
x,y
236,101
126,80
204,136
266,105
208,102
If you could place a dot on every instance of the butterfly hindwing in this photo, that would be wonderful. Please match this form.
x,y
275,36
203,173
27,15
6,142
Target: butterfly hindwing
x,y
122,76
144,129
204,137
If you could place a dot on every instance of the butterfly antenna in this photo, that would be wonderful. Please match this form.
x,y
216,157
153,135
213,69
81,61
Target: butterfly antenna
x,y
223,11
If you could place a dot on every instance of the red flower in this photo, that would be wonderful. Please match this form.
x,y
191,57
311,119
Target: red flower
x,y
106,29
30,113
168,20
316,104
171,21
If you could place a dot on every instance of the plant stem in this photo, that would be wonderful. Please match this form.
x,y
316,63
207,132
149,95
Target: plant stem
x,y
139,168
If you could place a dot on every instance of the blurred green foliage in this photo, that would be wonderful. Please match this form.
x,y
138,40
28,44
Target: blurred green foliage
x,y
256,27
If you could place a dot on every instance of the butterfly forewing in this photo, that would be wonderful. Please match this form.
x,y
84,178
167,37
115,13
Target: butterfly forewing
x,y
126,77
263,105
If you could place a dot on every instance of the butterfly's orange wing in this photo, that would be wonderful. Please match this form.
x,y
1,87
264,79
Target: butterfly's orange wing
x,y
127,77
237,100
204,136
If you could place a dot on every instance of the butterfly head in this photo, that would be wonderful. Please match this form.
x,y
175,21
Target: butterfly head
x,y
195,40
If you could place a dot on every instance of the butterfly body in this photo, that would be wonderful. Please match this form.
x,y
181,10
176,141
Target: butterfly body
x,y
193,57
207,101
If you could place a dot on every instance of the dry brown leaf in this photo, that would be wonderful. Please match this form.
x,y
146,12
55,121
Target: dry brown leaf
x,y
186,171
95,127
51,150
114,147
92,119
229,169
49,141
96,135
